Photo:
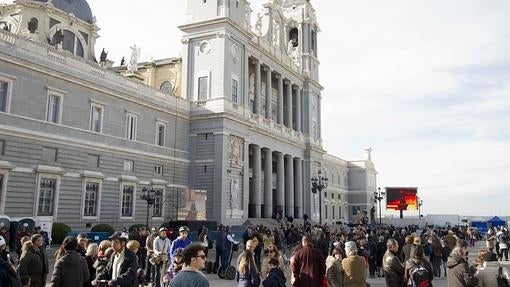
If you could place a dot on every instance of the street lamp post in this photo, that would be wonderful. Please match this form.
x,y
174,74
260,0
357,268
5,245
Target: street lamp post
x,y
319,183
420,203
378,196
148,195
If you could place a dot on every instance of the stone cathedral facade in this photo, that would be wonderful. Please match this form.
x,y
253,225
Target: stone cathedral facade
x,y
237,119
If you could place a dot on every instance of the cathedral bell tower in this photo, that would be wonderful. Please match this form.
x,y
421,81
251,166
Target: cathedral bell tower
x,y
302,29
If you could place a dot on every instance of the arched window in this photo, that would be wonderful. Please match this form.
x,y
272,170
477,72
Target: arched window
x,y
69,41
33,25
166,88
294,37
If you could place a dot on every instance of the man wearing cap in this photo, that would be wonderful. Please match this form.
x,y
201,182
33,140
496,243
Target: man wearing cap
x,y
180,242
8,275
121,270
160,248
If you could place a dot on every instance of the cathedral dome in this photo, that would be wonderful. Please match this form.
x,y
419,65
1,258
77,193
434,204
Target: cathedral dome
x,y
80,8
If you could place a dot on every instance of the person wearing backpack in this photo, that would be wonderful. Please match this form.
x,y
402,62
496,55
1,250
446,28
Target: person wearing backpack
x,y
489,271
418,270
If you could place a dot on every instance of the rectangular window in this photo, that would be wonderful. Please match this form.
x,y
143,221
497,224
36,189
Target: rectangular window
x,y
91,199
129,166
340,212
47,189
128,192
326,211
92,161
332,196
2,147
333,211
158,170
4,93
160,134
202,88
314,129
49,154
96,118
131,123
54,108
157,210
339,196
235,84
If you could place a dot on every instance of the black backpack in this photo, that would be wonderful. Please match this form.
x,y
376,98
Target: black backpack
x,y
420,276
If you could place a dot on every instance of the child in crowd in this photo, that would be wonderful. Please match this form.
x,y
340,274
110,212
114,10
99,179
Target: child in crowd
x,y
275,277
175,267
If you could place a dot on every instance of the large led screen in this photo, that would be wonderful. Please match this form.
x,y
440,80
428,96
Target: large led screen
x,y
401,198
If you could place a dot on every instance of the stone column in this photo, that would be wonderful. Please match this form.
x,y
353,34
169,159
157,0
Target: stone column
x,y
280,100
298,188
298,109
256,104
280,183
269,94
246,82
289,186
255,194
268,184
289,104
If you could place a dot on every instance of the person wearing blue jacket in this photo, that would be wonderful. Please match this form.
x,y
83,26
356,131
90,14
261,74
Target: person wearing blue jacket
x,y
180,242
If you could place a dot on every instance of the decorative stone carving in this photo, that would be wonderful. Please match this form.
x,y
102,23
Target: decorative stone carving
x,y
204,47
258,24
234,50
276,33
235,150
133,61
234,194
247,15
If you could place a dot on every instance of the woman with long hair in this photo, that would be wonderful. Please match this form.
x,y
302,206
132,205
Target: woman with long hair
x,y
271,252
91,257
247,273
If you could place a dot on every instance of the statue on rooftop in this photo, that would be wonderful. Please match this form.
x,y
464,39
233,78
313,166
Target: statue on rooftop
x,y
133,61
103,56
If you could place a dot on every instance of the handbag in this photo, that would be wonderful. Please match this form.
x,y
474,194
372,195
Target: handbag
x,y
501,280
155,259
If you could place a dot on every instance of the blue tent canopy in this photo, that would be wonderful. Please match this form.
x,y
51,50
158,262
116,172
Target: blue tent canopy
x,y
496,221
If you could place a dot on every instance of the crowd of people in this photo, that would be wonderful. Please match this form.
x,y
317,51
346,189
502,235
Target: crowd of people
x,y
305,255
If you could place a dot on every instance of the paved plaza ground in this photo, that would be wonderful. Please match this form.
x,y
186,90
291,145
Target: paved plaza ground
x,y
215,281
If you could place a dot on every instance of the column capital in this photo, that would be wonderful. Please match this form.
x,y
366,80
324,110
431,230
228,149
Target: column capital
x,y
295,87
286,81
277,76
266,68
255,61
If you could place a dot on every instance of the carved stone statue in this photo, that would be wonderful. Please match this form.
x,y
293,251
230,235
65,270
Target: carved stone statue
x,y
258,24
133,61
290,48
123,61
58,38
247,15
103,57
276,33
236,150
234,194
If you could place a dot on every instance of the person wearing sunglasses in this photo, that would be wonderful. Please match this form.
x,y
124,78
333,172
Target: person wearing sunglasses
x,y
271,252
190,276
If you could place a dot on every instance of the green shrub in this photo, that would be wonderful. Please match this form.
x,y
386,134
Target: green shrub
x,y
103,228
59,231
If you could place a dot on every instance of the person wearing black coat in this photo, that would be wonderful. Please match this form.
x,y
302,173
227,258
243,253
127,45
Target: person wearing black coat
x,y
71,269
8,275
275,277
121,273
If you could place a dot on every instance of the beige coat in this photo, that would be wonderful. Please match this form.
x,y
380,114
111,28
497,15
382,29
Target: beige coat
x,y
334,272
354,271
